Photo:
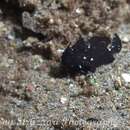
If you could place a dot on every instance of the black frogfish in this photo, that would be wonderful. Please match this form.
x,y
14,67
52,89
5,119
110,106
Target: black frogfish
x,y
85,56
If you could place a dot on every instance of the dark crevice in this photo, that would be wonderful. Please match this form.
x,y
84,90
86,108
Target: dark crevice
x,y
13,12
24,33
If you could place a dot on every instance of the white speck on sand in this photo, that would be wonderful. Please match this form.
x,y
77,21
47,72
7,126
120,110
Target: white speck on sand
x,y
79,11
63,100
126,77
60,51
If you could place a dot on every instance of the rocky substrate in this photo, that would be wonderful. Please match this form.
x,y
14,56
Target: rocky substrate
x,y
34,94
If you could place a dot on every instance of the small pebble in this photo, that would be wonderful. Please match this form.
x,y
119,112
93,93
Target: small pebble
x,y
79,11
126,77
51,21
63,100
71,85
125,39
11,36
60,51
52,80
29,87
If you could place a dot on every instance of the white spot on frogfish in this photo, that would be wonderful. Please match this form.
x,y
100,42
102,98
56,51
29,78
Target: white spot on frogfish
x,y
91,59
80,66
84,57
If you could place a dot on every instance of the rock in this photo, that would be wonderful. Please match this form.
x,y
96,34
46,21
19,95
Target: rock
x,y
42,18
